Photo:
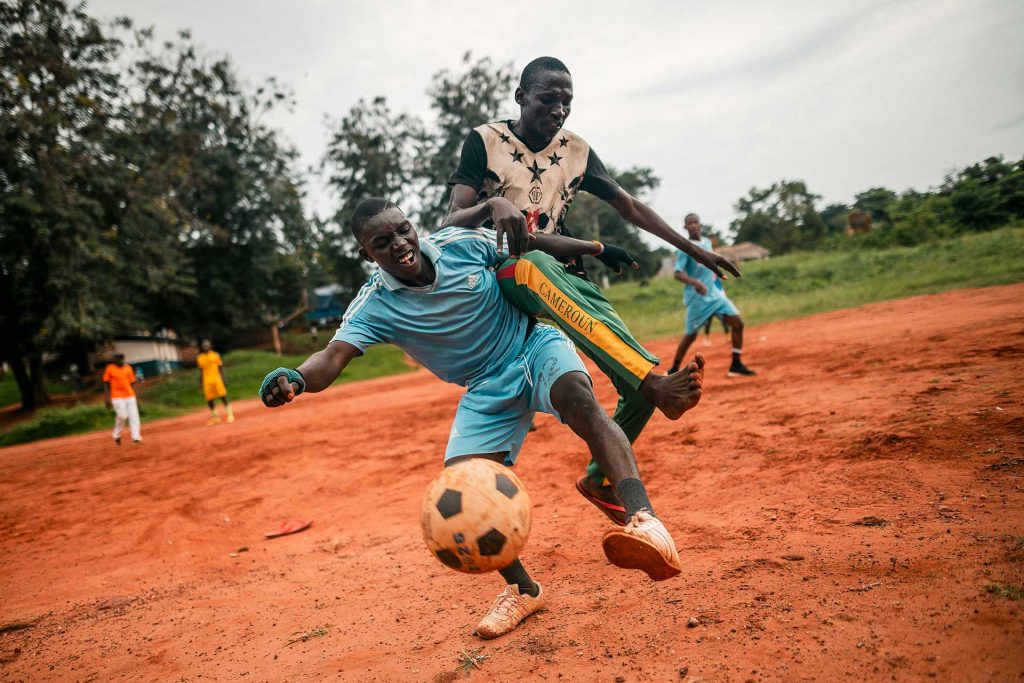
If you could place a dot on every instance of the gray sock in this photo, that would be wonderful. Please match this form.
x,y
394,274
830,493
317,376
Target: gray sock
x,y
633,496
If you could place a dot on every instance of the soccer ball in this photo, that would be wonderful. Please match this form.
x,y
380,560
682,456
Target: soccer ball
x,y
476,516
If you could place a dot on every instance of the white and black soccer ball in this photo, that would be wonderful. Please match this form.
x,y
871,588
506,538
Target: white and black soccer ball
x,y
476,516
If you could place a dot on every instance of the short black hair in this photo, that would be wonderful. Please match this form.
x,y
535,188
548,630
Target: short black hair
x,y
367,209
689,216
531,74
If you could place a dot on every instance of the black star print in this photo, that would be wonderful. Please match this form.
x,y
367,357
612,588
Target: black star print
x,y
554,158
563,141
504,138
536,171
517,156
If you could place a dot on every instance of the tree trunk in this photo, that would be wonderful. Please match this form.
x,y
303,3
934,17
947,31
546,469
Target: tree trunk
x,y
28,398
39,392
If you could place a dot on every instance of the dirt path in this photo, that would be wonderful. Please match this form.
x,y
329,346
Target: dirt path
x,y
908,412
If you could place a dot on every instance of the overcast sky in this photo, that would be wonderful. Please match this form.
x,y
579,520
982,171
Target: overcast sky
x,y
716,97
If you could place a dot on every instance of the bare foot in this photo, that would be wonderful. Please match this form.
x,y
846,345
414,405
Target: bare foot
x,y
676,393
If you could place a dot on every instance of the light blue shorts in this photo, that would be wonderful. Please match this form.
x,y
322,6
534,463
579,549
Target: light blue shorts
x,y
704,308
496,412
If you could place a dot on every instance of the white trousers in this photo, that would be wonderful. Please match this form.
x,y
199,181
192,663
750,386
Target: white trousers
x,y
126,410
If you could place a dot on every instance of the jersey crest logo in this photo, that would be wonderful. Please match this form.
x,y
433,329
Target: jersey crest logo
x,y
536,194
472,280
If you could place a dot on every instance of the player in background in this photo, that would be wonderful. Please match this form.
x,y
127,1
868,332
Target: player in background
x,y
439,301
119,395
521,177
212,382
704,298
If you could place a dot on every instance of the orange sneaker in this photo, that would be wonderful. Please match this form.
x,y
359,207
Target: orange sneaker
x,y
644,544
508,611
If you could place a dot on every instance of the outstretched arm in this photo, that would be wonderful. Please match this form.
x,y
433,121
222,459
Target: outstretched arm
x,y
315,374
639,214
509,222
560,246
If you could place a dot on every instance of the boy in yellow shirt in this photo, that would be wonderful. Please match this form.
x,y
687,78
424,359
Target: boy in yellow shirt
x,y
211,381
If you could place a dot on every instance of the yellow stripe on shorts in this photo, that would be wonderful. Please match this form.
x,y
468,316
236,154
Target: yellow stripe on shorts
x,y
581,321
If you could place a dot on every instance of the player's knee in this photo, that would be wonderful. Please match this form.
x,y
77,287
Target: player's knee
x,y
573,397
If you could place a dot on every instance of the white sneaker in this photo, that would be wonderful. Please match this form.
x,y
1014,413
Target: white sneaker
x,y
508,611
645,544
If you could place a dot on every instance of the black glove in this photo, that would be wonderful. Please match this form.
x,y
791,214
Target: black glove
x,y
615,257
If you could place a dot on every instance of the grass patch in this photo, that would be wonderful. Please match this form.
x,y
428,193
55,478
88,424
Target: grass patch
x,y
796,285
9,394
246,369
783,287
1006,590
179,393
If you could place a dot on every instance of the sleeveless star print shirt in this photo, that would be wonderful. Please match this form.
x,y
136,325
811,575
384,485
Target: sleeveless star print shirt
x,y
541,184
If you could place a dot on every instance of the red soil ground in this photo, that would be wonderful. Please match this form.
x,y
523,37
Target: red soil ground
x,y
117,561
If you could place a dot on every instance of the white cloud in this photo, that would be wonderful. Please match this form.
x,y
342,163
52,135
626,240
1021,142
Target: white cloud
x,y
715,96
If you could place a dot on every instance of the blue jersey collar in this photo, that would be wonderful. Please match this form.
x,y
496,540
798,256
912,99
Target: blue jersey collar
x,y
427,248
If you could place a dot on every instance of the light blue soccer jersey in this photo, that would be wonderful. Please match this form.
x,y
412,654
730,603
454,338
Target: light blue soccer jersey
x,y
700,308
460,327
686,264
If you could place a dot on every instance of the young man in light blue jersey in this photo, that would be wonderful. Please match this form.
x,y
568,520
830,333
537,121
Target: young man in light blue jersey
x,y
439,300
704,298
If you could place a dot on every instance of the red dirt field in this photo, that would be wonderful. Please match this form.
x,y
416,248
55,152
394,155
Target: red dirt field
x,y
117,562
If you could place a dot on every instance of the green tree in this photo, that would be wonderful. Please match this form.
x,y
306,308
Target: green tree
x,y
461,100
138,190
215,188
836,218
985,195
781,217
370,154
712,232
593,219
57,82
876,202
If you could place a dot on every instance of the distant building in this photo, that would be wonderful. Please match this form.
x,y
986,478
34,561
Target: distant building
x,y
153,355
745,251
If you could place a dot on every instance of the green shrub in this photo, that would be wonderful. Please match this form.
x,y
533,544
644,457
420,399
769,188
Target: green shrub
x,y
53,422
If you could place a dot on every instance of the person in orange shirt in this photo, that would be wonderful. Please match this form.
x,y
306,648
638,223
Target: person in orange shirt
x,y
118,382
211,381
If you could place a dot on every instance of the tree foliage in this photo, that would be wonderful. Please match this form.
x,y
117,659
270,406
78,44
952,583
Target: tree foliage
x,y
593,219
57,89
370,154
781,217
134,198
461,101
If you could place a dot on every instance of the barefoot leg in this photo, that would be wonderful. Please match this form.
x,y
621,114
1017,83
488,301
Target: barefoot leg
x,y
675,394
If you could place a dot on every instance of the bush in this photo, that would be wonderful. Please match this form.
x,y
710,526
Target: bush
x,y
54,422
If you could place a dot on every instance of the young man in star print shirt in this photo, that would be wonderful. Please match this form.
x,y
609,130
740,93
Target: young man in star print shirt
x,y
521,177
